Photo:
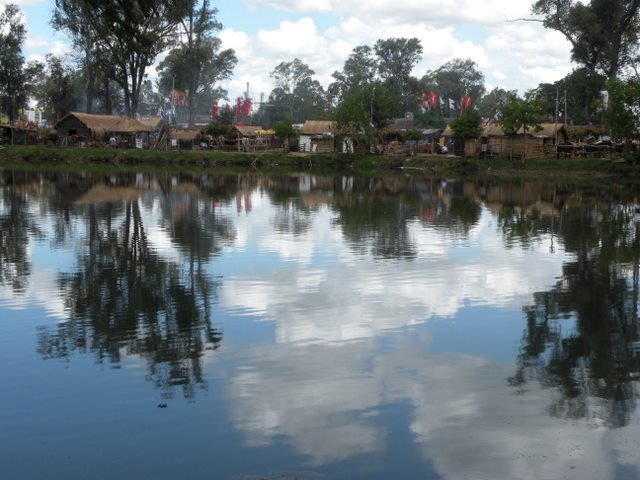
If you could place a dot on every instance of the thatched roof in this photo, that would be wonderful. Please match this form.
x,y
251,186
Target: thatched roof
x,y
107,123
130,125
186,134
581,131
547,130
318,127
246,131
93,122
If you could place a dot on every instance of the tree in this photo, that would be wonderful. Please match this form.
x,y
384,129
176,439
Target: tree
x,y
199,62
296,96
469,125
396,59
603,33
359,112
58,92
492,104
67,16
455,79
12,36
132,35
623,115
520,113
359,71
582,89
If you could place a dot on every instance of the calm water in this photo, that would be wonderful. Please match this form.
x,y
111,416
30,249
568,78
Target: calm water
x,y
249,327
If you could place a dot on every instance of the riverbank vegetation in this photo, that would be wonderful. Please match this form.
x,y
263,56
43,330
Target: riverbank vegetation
x,y
47,158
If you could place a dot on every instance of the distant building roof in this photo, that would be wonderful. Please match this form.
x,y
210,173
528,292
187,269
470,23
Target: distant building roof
x,y
318,127
107,123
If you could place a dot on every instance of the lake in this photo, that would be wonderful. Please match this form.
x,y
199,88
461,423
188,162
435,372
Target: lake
x,y
315,326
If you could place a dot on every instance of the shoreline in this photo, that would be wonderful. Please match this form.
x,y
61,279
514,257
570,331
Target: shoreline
x,y
46,158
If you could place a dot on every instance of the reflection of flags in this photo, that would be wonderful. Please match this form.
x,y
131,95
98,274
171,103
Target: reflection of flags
x,y
433,100
178,98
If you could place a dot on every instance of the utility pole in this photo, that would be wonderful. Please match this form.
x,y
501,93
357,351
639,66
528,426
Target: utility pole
x,y
555,123
565,108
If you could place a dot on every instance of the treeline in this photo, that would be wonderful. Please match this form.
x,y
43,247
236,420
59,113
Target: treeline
x,y
114,43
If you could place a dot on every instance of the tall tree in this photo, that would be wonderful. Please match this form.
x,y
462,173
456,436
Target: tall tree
x,y
297,96
492,103
456,78
68,17
396,59
603,33
359,70
199,62
12,36
132,34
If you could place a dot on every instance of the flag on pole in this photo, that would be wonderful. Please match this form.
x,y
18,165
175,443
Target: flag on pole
x,y
214,110
178,98
433,100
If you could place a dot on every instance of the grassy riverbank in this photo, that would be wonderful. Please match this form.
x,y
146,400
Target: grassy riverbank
x,y
141,160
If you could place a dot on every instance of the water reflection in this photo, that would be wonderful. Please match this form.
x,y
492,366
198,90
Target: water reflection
x,y
582,335
369,294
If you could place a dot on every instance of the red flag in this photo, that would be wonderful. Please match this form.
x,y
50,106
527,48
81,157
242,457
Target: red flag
x,y
214,110
239,107
423,99
465,102
246,107
433,100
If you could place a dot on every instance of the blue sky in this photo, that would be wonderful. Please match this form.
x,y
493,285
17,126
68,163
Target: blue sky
x,y
323,32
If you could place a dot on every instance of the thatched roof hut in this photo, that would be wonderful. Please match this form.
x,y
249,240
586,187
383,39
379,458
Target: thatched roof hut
x,y
97,126
319,128
245,131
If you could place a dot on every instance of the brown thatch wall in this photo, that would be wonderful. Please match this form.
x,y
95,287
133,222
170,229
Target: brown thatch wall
x,y
517,146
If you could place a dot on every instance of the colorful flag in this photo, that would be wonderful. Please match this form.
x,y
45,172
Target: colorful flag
x,y
178,98
214,110
433,100
423,99
246,107
239,107
465,102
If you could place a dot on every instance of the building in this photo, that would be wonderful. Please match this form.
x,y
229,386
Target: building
x,y
76,128
318,136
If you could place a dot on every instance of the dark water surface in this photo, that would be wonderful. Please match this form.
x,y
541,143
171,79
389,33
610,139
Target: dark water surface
x,y
249,327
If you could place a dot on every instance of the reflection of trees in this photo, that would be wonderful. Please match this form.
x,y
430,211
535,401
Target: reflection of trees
x,y
124,299
16,227
594,367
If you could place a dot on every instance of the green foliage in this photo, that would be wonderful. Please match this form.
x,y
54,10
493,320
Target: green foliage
x,y
297,96
217,130
520,113
603,33
284,130
130,34
455,79
198,63
469,125
622,115
396,59
492,104
412,134
12,36
582,88
360,111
